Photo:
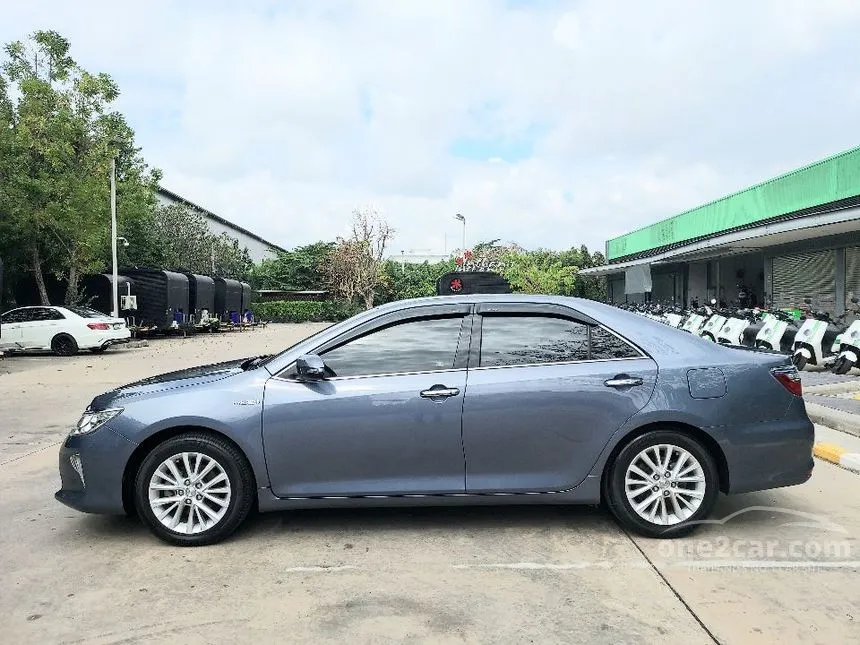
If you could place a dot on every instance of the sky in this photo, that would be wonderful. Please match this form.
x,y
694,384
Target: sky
x,y
547,123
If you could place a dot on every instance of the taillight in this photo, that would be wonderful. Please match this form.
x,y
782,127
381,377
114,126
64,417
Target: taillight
x,y
98,326
789,377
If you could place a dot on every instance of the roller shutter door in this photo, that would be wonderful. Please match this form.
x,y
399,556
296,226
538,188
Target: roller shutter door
x,y
661,287
802,275
852,271
616,289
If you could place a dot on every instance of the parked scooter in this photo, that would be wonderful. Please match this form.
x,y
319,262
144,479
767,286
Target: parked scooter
x,y
695,321
849,342
734,331
778,332
713,325
813,344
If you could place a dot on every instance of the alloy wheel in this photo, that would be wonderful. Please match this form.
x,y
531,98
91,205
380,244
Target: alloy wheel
x,y
189,492
665,484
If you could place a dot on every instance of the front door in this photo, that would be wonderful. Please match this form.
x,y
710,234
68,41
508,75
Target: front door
x,y
544,399
10,328
386,422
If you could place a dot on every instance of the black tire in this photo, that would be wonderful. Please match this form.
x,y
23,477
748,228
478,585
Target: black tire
x,y
622,509
842,366
799,361
64,345
235,466
99,350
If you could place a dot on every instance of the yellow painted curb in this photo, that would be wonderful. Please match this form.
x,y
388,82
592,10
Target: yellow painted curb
x,y
828,452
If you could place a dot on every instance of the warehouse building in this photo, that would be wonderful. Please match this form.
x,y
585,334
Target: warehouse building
x,y
788,238
258,248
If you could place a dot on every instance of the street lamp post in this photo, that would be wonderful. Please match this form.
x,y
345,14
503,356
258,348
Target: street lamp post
x,y
113,234
462,218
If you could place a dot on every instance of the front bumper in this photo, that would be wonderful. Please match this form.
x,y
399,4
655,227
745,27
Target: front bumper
x,y
101,458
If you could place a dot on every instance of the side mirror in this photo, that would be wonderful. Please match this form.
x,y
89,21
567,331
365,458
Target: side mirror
x,y
310,367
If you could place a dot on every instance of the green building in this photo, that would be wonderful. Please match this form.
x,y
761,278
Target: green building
x,y
791,237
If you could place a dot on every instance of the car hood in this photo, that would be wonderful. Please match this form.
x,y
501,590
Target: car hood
x,y
171,381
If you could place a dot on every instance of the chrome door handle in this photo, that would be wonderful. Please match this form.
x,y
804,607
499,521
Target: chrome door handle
x,y
439,392
623,381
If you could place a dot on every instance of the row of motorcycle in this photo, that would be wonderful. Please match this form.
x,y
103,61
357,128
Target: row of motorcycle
x,y
815,338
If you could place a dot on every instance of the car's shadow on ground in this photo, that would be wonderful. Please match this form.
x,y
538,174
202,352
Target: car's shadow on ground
x,y
748,512
378,520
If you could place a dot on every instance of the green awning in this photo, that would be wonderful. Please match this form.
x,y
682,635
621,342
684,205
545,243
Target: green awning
x,y
823,182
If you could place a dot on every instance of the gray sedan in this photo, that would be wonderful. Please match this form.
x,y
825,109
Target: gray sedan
x,y
458,400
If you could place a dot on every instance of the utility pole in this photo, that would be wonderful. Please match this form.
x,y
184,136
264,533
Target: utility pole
x,y
462,218
115,289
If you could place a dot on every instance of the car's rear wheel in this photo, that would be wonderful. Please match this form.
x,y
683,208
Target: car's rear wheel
x,y
662,484
194,489
842,366
64,345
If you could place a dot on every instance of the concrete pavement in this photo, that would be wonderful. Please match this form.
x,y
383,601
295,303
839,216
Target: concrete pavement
x,y
778,566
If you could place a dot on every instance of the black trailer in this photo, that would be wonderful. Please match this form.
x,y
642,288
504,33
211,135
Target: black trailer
x,y
247,296
97,293
162,297
464,282
228,298
201,296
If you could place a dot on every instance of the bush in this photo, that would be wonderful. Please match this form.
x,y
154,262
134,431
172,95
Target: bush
x,y
301,311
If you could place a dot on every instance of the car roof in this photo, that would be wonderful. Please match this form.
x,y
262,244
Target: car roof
x,y
35,307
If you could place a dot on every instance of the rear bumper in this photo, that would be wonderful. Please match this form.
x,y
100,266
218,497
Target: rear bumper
x,y
104,338
101,458
768,455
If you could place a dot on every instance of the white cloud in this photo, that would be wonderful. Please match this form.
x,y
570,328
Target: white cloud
x,y
285,116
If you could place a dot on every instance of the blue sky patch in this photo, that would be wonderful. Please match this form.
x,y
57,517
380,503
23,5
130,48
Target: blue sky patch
x,y
510,149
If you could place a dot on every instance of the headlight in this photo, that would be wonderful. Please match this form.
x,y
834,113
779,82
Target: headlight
x,y
92,421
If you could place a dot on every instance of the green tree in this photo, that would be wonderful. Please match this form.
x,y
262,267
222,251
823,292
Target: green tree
x,y
178,238
539,271
401,281
296,270
58,139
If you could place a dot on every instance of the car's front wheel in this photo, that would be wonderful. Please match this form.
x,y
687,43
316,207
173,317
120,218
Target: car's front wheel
x,y
194,489
662,484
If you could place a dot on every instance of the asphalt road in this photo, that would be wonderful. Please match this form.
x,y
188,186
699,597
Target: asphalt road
x,y
783,569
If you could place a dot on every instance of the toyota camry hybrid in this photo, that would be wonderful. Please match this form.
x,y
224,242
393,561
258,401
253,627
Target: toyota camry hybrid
x,y
483,399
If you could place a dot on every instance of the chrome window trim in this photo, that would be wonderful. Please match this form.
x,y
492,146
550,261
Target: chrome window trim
x,y
593,360
357,376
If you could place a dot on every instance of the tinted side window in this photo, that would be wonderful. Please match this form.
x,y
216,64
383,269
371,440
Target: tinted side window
x,y
14,316
26,315
43,313
520,340
415,346
606,345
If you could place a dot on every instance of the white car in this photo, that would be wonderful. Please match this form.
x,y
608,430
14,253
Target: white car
x,y
62,330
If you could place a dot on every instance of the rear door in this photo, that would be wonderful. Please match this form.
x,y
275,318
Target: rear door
x,y
42,324
547,389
